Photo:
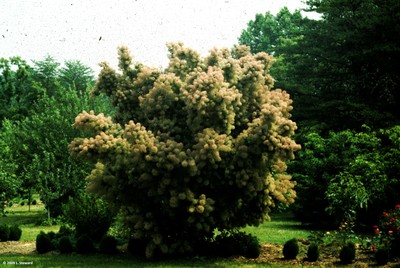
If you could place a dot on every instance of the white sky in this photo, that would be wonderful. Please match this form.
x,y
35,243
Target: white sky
x,y
71,29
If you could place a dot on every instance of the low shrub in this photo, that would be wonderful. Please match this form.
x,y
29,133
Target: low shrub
x,y
84,245
313,252
34,202
65,231
65,245
108,245
347,253
89,215
15,233
234,243
4,232
44,243
291,249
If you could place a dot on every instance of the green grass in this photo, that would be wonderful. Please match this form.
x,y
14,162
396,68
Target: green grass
x,y
278,231
28,220
123,261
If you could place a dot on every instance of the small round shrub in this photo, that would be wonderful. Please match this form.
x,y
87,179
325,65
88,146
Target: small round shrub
x,y
249,246
84,245
4,232
65,245
34,202
313,252
225,245
291,249
348,253
108,245
15,233
22,203
43,243
382,256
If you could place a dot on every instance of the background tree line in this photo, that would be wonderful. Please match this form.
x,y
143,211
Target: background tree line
x,y
342,73
39,105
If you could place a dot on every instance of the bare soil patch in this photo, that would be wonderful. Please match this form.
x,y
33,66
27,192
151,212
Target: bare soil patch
x,y
18,247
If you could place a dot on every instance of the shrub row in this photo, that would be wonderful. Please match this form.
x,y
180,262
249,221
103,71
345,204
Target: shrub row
x,y
226,244
10,233
66,242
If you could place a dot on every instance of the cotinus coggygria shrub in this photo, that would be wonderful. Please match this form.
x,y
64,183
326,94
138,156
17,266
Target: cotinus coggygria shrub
x,y
196,147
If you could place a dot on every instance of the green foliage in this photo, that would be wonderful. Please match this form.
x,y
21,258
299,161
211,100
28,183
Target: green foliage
x,y
15,233
233,243
88,215
347,253
84,245
347,176
4,232
65,245
291,249
108,245
341,70
44,243
387,233
76,75
313,252
16,89
199,146
42,162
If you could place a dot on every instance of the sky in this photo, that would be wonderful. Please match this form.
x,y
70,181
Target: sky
x,y
92,30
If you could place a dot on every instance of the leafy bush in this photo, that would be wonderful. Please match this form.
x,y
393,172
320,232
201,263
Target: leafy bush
x,y
231,243
347,253
84,245
291,249
204,141
44,242
65,245
15,233
347,175
387,234
313,252
65,231
108,245
4,232
89,215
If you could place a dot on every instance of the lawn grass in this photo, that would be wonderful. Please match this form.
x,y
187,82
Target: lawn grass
x,y
100,261
278,231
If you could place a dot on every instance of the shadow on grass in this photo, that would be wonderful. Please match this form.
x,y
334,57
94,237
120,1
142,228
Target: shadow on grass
x,y
22,218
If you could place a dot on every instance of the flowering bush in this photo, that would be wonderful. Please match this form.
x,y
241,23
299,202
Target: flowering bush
x,y
387,234
199,146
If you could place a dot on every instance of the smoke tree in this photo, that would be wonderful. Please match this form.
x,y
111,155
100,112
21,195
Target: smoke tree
x,y
196,147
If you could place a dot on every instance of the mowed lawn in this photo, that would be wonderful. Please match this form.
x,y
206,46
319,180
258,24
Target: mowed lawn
x,y
278,231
